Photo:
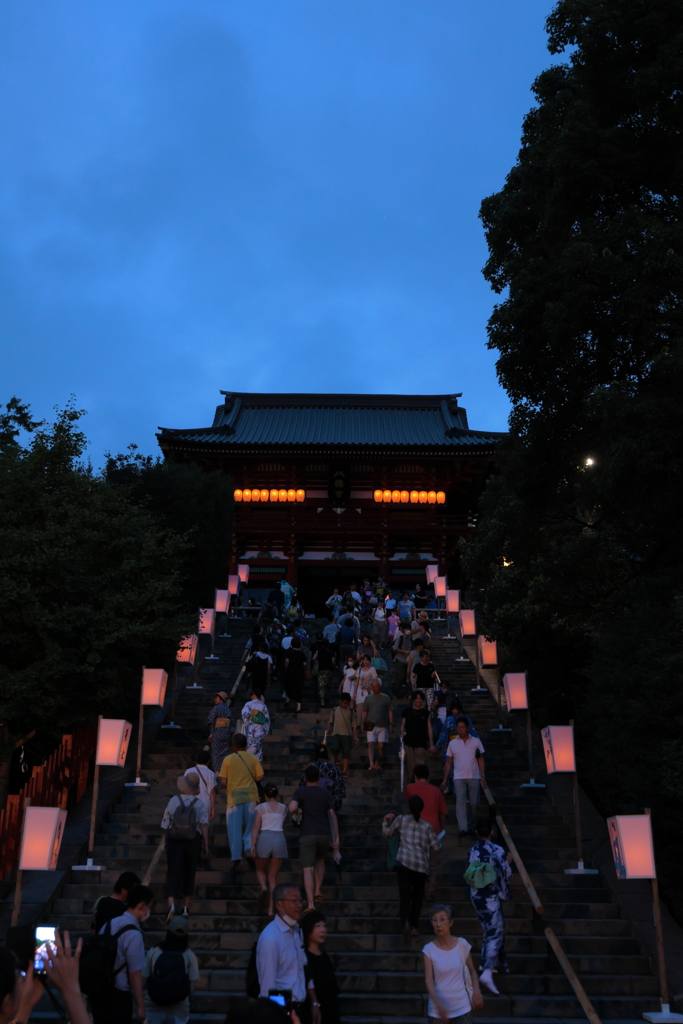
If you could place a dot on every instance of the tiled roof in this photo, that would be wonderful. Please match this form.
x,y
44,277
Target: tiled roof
x,y
328,420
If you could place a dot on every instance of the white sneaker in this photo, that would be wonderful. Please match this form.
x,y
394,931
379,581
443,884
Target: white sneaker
x,y
486,978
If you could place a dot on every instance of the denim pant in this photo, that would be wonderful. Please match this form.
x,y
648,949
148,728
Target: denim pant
x,y
490,914
464,789
240,822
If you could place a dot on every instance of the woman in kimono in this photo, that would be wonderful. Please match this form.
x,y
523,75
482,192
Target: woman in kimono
x,y
256,724
222,728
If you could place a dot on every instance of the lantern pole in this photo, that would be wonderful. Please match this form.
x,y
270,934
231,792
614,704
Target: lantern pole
x,y
500,727
665,1014
531,784
478,688
580,870
171,724
16,907
138,766
89,866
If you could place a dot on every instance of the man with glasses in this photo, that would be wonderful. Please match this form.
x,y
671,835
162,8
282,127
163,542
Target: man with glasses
x,y
280,955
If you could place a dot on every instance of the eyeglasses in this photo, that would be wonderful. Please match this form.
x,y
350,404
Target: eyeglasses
x,y
288,899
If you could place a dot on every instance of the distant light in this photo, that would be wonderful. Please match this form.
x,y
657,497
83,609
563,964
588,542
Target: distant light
x,y
505,562
590,462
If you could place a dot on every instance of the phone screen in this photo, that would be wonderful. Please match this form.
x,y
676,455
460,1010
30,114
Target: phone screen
x,y
281,996
45,934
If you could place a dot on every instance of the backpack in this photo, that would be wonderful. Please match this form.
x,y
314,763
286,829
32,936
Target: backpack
x,y
480,874
96,972
184,820
252,984
348,634
169,981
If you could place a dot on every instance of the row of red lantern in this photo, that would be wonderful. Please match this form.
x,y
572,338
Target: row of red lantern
x,y
387,496
272,494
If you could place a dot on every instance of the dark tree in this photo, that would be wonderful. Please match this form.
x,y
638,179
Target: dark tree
x,y
586,243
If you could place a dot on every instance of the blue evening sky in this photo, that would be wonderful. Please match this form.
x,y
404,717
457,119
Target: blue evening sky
x,y
263,195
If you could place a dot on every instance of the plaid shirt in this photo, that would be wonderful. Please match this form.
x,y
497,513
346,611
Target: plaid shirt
x,y
417,839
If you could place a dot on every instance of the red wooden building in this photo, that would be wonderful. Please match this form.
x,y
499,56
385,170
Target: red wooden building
x,y
333,488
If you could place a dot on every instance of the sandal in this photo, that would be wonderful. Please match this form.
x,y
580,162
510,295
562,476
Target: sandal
x,y
319,898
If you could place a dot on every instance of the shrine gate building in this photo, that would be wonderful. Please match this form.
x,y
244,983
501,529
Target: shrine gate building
x,y
333,488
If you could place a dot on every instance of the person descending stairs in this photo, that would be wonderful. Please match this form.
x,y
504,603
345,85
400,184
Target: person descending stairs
x,y
380,980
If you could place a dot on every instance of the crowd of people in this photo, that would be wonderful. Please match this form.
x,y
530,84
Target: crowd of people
x,y
375,648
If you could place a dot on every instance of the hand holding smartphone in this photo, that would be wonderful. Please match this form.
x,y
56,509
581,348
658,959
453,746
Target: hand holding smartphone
x,y
281,996
44,938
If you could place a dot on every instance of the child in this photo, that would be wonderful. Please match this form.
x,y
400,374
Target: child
x,y
393,622
349,680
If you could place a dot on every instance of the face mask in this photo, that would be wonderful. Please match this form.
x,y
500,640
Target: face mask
x,y
149,911
289,920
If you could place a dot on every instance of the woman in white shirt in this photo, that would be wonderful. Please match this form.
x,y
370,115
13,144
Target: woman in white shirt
x,y
269,843
366,674
450,976
379,625
349,680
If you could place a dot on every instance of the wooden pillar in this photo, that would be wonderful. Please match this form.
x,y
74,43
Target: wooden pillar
x,y
383,557
232,568
292,563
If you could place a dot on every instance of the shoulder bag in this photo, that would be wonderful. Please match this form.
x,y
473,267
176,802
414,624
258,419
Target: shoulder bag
x,y
259,787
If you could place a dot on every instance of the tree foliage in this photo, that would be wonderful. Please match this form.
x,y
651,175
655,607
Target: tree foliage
x,y
90,582
586,248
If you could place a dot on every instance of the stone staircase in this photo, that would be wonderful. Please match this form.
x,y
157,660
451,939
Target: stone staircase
x,y
380,981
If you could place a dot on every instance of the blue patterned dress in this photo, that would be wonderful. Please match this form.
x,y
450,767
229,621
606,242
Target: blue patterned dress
x,y
221,739
486,903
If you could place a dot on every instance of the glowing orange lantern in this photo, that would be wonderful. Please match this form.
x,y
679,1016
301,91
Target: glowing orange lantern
x,y
558,747
221,602
300,494
154,686
632,847
206,621
291,494
265,494
396,497
488,652
187,650
243,572
452,602
237,494
405,497
431,497
468,623
440,586
515,691
431,570
423,497
378,494
113,737
441,497
256,494
274,494
41,838
414,497
283,494
246,494
234,584
387,495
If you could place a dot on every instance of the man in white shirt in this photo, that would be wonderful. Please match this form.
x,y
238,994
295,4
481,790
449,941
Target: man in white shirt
x,y
207,782
463,755
280,954
116,1006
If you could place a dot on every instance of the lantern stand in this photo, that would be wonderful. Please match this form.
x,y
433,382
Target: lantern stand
x,y
531,784
452,598
89,866
580,870
665,1014
500,727
16,907
171,724
212,656
478,688
138,784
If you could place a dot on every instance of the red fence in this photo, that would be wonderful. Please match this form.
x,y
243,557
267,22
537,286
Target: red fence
x,y
60,782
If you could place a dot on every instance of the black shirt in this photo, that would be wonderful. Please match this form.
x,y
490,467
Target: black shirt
x,y
320,970
416,734
106,910
424,676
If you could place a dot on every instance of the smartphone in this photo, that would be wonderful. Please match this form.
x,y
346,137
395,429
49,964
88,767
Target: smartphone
x,y
43,937
281,996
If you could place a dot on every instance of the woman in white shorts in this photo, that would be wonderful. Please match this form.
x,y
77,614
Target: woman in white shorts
x,y
268,842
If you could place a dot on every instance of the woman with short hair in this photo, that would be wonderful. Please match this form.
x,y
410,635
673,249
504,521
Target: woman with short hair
x,y
447,962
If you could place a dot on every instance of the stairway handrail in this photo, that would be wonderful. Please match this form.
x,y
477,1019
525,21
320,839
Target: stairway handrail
x,y
523,873
579,990
162,842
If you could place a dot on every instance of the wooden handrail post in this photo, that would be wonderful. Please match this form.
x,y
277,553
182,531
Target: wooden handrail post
x,y
16,907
